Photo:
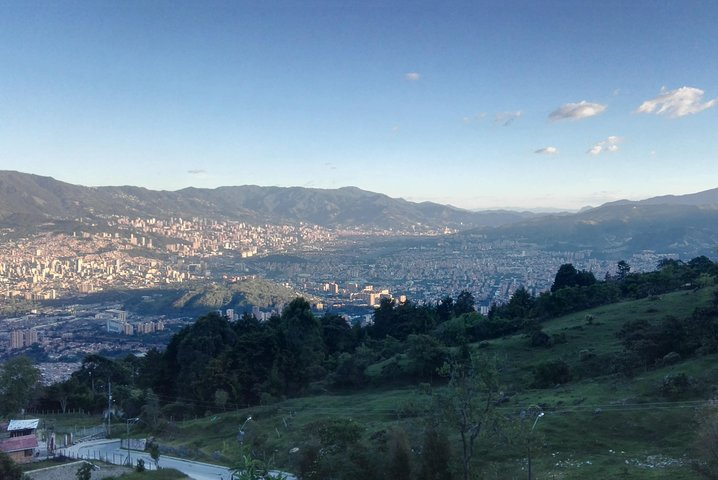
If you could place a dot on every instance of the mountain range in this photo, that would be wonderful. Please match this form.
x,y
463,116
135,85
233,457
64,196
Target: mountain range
x,y
686,224
28,199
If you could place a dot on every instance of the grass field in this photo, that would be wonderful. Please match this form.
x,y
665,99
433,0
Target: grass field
x,y
599,425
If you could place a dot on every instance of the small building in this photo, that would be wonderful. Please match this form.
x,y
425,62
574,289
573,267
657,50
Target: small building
x,y
18,439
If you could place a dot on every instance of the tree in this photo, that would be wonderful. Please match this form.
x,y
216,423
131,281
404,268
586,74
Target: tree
x,y
399,464
19,382
150,411
435,456
220,398
623,269
155,455
425,355
445,309
464,303
301,348
337,334
520,304
84,472
468,404
199,357
565,277
9,470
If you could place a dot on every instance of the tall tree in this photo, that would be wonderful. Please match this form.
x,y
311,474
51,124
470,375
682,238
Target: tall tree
x,y
19,382
445,309
464,303
623,269
301,345
467,406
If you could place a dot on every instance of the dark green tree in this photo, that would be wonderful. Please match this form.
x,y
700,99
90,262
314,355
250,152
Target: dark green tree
x,y
9,470
399,461
464,303
565,277
155,454
435,461
84,472
337,334
200,356
19,383
445,309
301,348
622,269
520,304
425,355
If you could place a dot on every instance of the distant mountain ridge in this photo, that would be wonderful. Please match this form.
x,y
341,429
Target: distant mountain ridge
x,y
686,225
706,198
27,199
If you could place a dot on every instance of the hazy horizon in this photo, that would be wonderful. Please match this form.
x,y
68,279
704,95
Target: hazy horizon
x,y
480,105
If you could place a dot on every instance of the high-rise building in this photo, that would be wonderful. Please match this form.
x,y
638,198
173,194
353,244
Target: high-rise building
x,y
31,337
17,339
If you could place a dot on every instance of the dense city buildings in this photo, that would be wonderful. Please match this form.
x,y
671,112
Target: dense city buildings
x,y
346,271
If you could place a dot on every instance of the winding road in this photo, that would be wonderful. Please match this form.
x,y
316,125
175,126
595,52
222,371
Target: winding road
x,y
111,452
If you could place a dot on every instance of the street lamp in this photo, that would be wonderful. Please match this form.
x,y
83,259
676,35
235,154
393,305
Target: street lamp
x,y
240,435
130,421
528,444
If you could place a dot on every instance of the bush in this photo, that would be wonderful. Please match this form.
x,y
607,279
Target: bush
x,y
551,373
675,385
540,339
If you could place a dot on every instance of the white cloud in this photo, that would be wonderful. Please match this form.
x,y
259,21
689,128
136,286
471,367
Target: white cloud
x,y
677,103
474,118
577,111
609,145
547,151
506,118
413,76
196,172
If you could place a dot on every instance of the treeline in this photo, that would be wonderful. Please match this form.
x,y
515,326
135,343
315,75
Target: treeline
x,y
216,364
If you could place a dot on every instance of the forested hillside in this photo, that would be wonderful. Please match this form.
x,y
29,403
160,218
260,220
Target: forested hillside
x,y
585,347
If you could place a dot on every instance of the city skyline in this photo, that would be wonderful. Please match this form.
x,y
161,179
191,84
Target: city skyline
x,y
480,105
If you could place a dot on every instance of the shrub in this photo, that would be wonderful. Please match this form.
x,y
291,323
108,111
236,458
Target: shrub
x,y
551,373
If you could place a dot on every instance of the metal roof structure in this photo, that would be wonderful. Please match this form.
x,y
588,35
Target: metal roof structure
x,y
30,424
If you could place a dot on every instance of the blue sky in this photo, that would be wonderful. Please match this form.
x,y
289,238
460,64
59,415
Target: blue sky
x,y
477,104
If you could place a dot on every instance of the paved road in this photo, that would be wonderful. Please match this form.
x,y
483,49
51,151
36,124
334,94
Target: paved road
x,y
110,451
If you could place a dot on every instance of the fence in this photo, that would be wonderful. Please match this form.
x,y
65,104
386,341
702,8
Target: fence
x,y
111,457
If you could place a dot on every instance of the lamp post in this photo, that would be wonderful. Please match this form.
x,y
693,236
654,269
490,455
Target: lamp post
x,y
528,444
240,435
130,421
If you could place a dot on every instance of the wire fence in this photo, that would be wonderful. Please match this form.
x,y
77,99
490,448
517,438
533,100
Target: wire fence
x,y
113,458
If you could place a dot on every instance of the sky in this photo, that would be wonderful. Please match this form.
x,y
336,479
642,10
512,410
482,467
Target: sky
x,y
478,104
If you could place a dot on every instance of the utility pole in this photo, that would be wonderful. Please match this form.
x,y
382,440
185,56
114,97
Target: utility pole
x,y
109,407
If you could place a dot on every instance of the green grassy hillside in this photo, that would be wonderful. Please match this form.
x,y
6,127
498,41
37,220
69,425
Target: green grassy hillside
x,y
601,424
